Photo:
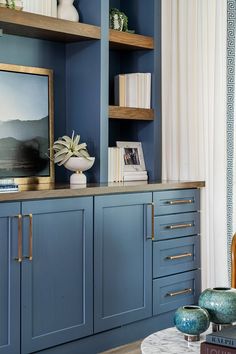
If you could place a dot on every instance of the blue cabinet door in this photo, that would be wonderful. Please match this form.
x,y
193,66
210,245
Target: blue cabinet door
x,y
9,280
57,298
122,260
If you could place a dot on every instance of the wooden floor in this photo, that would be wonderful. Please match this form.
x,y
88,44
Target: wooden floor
x,y
133,348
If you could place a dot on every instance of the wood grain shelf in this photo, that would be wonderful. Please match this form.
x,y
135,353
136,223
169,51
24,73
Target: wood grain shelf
x,y
37,26
124,40
116,112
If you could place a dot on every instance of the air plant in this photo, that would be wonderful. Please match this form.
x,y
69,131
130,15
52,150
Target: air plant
x,y
11,4
66,147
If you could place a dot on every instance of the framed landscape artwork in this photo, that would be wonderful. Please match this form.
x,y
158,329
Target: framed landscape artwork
x,y
26,124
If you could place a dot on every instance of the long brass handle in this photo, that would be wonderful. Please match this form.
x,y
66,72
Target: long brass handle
x,y
153,223
30,257
180,292
179,256
180,201
20,257
179,226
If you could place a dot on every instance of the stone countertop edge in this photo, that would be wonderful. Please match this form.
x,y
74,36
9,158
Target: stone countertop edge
x,y
32,192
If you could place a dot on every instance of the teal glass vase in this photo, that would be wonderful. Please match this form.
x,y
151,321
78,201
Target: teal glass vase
x,y
191,321
220,303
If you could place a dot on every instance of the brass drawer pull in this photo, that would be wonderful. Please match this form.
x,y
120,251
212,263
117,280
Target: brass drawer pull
x,y
20,257
181,201
30,257
179,256
180,226
180,292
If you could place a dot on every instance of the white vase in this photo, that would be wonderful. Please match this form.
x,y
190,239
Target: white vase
x,y
67,11
79,165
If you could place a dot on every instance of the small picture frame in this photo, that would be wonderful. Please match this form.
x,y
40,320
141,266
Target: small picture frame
x,y
133,156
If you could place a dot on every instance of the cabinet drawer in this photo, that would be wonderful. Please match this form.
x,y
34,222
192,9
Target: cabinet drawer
x,y
177,225
176,290
179,201
176,256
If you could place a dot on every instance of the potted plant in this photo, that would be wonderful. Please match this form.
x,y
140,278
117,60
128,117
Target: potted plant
x,y
74,156
118,20
12,4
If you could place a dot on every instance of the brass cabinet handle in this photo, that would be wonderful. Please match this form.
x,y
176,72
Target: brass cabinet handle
x,y
20,257
180,292
179,256
180,201
30,257
179,226
153,223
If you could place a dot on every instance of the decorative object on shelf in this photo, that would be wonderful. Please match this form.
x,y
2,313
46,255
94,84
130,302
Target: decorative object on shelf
x,y
192,321
74,157
41,7
118,20
26,123
12,4
221,305
67,11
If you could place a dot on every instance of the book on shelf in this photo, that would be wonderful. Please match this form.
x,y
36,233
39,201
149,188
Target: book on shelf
x,y
209,348
133,90
225,337
116,167
41,7
8,185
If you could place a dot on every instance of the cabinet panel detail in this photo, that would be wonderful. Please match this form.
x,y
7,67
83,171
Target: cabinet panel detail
x,y
179,201
176,256
122,252
57,283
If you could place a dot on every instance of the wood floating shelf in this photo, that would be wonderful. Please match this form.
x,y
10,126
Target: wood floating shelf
x,y
116,112
125,40
37,26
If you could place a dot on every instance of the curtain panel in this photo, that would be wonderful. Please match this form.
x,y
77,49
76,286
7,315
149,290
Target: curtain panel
x,y
194,105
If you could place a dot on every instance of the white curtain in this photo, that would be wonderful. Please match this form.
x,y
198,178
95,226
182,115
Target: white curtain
x,y
194,44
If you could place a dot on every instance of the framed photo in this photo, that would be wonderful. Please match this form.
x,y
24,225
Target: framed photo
x,y
133,156
26,124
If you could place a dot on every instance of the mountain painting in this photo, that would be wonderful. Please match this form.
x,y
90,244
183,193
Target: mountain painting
x,y
24,125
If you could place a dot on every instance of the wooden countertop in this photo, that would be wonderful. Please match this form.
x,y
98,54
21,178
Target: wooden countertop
x,y
46,191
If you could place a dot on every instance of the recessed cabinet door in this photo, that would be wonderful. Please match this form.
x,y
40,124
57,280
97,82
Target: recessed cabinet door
x,y
57,302
122,260
9,279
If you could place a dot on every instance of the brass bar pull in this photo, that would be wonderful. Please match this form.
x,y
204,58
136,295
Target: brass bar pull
x,y
179,256
30,257
180,201
153,222
19,258
179,226
30,237
180,292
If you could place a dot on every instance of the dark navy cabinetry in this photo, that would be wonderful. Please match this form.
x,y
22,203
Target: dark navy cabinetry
x,y
87,273
123,262
176,250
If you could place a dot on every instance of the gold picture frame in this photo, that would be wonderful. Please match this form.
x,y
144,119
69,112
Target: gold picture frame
x,y
26,124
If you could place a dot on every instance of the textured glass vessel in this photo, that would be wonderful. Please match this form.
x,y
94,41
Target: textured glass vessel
x,y
220,303
192,321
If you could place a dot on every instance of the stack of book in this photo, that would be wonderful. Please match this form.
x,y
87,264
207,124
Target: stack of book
x,y
222,342
41,7
133,90
8,185
116,171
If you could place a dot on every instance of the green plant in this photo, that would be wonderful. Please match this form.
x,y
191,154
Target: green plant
x,y
67,147
121,18
11,4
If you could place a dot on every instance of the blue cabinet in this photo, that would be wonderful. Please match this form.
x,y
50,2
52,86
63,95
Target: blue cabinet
x,y
57,284
9,279
122,260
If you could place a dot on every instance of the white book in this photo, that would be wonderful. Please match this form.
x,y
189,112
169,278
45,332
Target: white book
x,y
54,8
131,90
135,178
148,90
119,90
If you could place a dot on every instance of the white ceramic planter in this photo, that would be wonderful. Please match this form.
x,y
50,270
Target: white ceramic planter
x,y
67,11
79,165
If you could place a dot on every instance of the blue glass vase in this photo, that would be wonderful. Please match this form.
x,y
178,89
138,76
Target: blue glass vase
x,y
192,321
